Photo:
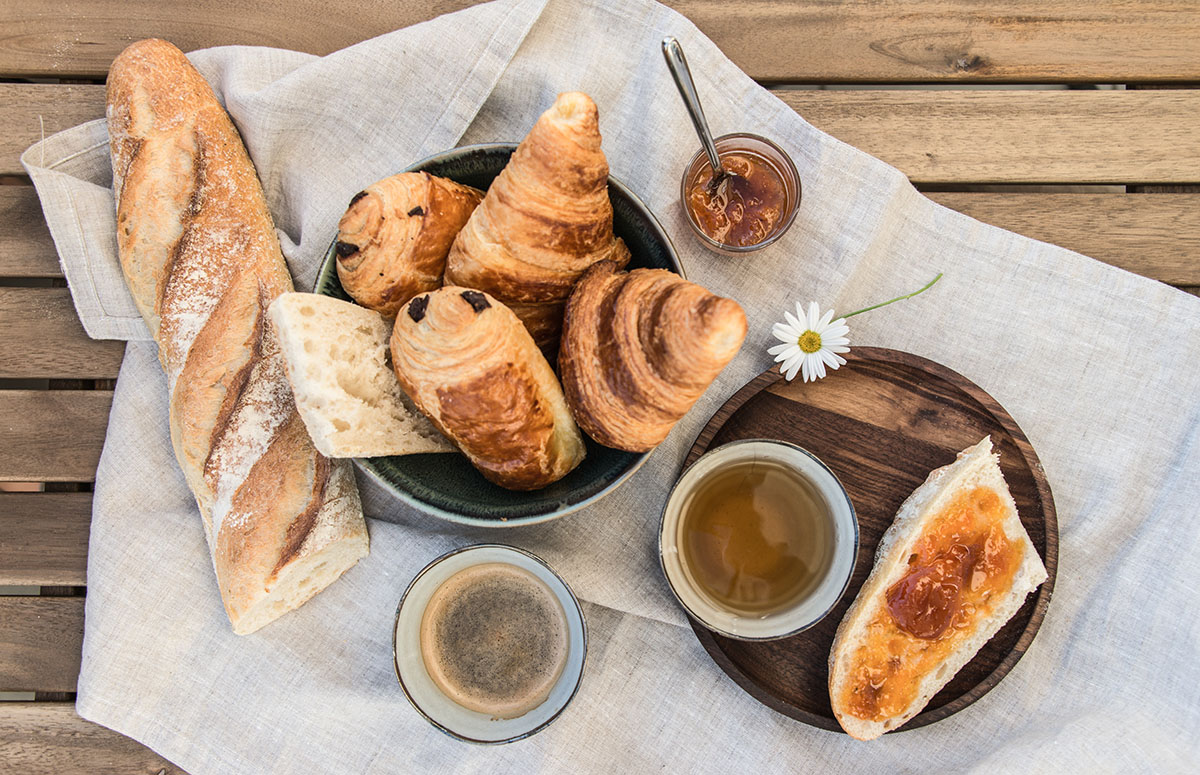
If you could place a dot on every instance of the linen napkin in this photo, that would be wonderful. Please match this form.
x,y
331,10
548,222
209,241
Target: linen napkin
x,y
1096,365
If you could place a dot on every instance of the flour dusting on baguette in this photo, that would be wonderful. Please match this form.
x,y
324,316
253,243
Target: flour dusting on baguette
x,y
199,252
881,674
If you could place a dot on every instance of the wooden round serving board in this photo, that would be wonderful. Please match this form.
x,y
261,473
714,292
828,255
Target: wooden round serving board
x,y
882,422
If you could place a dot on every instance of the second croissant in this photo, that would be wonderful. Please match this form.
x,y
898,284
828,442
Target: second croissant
x,y
544,220
639,348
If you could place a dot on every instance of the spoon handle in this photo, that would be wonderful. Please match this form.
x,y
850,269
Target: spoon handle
x,y
678,66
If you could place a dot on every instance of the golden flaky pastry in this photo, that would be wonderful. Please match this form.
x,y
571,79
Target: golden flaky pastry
x,y
468,363
639,348
545,219
393,240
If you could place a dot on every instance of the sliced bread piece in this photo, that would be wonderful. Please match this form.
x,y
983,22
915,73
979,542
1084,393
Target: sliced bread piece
x,y
336,356
955,565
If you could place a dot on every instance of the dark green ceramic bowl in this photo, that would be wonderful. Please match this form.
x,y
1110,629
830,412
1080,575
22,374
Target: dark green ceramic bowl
x,y
448,486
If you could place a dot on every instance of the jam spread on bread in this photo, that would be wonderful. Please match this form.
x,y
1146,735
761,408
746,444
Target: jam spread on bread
x,y
745,208
959,565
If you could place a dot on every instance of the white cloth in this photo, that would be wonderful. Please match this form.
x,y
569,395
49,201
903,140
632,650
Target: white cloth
x,y
1097,365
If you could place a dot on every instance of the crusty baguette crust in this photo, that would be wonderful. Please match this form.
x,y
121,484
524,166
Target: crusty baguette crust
x,y
200,255
975,466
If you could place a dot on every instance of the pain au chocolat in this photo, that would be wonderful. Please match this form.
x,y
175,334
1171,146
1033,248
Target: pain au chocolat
x,y
467,362
544,220
639,348
393,240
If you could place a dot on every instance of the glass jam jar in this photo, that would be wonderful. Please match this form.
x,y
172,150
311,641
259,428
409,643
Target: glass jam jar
x,y
746,211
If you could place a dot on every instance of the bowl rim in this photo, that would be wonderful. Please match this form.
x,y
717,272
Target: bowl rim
x,y
328,264
578,613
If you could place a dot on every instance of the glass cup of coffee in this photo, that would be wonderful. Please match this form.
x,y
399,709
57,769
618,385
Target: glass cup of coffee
x,y
758,540
489,644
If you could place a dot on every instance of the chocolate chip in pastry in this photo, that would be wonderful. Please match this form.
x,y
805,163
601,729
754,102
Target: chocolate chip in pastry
x,y
393,240
545,219
467,362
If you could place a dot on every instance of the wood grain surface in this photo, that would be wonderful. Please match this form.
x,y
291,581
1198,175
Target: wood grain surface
x,y
881,423
955,138
1009,136
887,41
36,110
44,538
47,738
1136,137
1154,235
26,249
44,338
40,643
52,435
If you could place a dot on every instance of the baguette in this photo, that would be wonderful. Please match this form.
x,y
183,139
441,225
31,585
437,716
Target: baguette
x,y
958,554
338,364
199,252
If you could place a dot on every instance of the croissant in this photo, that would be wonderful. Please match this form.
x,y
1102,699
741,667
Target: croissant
x,y
545,219
467,362
393,240
639,348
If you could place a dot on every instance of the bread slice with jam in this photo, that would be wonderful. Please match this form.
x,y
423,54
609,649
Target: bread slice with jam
x,y
955,565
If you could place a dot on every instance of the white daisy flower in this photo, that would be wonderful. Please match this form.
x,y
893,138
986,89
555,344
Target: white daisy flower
x,y
810,342
813,341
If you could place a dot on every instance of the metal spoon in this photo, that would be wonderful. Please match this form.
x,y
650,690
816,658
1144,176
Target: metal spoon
x,y
678,66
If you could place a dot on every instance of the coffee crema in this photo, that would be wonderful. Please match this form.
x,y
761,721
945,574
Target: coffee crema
x,y
756,537
494,639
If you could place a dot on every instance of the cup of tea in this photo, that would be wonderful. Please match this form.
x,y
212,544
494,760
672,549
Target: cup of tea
x,y
489,644
758,540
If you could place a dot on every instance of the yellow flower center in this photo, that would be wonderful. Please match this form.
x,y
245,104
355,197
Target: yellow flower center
x,y
810,341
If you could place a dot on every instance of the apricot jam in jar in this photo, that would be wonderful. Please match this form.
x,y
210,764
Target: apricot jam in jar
x,y
749,209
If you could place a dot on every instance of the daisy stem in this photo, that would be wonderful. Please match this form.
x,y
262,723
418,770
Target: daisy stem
x,y
927,286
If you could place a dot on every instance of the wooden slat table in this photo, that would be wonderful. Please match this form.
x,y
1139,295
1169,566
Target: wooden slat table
x,y
939,88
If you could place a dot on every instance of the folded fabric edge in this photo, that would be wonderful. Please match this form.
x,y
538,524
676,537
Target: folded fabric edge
x,y
44,158
735,84
57,190
123,720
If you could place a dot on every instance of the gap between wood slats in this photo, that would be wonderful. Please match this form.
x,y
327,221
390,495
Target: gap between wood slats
x,y
41,642
44,338
44,538
933,136
48,738
812,42
52,435
1016,136
32,111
